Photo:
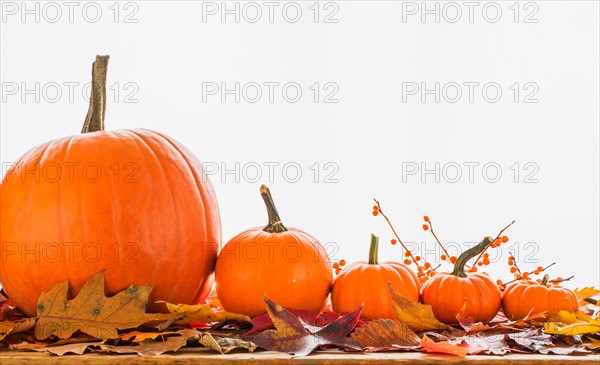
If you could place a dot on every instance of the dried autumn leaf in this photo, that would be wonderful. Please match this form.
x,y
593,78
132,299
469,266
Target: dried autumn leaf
x,y
381,333
72,348
585,293
154,348
593,345
419,317
581,328
567,317
91,311
229,344
444,347
137,336
467,322
264,322
202,313
8,328
292,337
531,339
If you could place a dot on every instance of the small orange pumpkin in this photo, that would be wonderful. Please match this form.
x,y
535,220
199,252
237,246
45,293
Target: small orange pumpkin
x,y
145,212
368,283
287,265
447,293
527,297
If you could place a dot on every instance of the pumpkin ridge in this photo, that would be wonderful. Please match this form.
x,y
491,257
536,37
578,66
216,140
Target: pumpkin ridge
x,y
175,210
207,198
66,265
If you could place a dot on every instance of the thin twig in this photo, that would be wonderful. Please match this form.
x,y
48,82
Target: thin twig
x,y
394,231
436,238
497,237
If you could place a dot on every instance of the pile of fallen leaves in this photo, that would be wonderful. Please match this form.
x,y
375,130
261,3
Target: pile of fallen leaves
x,y
91,322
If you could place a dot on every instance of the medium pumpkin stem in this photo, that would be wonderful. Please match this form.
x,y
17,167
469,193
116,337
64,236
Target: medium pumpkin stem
x,y
545,280
461,261
94,121
275,225
373,250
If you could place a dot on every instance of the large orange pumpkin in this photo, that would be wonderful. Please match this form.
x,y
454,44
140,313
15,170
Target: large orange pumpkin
x,y
524,298
287,265
135,203
447,293
368,283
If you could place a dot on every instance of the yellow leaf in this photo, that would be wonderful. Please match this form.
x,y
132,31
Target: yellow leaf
x,y
202,313
594,345
8,327
585,293
570,318
418,317
573,329
92,312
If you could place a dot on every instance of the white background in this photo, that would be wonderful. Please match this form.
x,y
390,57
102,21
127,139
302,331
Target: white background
x,y
369,134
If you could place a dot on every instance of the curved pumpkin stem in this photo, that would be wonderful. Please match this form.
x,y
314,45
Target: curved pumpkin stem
x,y
94,121
461,261
275,225
373,250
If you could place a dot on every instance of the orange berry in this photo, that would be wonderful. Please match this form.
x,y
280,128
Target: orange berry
x,y
486,255
504,239
407,262
375,207
431,273
417,258
473,269
536,272
480,263
499,282
452,259
486,261
538,280
443,257
336,265
513,270
425,227
406,253
558,279
518,276
375,213
540,269
525,275
337,271
342,262
426,218
393,242
427,265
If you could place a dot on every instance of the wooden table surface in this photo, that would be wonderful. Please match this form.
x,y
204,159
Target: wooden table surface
x,y
184,357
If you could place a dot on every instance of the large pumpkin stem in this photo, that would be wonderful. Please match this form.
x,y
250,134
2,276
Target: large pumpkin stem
x,y
461,261
545,280
275,225
373,250
94,121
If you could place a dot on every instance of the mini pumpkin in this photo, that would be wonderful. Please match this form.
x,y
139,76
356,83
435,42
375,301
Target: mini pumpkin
x,y
526,298
368,283
287,265
447,293
135,203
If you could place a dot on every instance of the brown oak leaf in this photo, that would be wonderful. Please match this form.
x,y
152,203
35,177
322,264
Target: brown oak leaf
x,y
291,336
91,311
382,333
419,317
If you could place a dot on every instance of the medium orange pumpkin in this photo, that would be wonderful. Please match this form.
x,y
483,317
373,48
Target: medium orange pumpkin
x,y
287,265
528,297
368,283
135,203
447,293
